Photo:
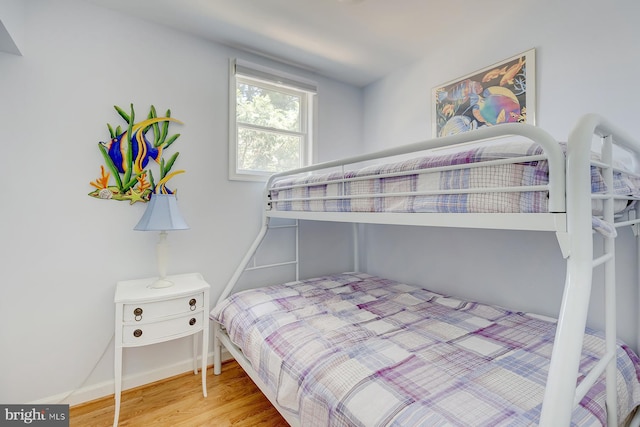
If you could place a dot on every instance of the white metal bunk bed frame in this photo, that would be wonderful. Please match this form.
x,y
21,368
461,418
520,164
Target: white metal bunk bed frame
x,y
569,216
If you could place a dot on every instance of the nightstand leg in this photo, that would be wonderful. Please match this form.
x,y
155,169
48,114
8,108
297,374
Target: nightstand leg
x,y
118,381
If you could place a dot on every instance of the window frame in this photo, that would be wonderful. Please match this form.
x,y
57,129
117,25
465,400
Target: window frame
x,y
254,74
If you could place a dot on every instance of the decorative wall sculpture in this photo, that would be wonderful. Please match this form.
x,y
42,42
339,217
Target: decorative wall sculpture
x,y
127,154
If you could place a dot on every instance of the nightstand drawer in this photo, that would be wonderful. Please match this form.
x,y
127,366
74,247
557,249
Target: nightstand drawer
x,y
147,333
153,310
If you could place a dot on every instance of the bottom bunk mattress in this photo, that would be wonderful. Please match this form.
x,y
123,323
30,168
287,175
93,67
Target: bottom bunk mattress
x,y
358,350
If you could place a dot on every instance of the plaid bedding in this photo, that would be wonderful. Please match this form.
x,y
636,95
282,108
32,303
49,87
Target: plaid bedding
x,y
357,350
528,173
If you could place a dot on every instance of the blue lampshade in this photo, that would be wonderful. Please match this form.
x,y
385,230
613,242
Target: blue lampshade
x,y
162,214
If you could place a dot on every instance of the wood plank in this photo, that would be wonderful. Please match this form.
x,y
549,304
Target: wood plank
x,y
233,400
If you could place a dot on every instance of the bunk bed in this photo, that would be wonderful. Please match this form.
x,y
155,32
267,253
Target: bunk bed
x,y
354,349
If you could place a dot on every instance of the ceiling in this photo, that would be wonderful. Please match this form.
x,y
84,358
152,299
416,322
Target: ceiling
x,y
355,41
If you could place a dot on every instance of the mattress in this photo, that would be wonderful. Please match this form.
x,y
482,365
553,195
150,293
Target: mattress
x,y
358,350
436,183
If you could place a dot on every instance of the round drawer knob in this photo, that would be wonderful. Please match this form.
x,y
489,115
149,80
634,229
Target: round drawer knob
x,y
192,321
192,304
137,312
137,333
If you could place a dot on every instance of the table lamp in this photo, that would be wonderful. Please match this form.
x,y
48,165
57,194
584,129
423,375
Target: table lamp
x,y
162,215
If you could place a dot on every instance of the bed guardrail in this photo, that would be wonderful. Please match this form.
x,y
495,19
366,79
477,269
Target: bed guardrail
x,y
553,153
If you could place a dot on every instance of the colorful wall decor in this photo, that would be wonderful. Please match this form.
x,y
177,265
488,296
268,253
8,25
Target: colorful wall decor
x,y
501,93
127,154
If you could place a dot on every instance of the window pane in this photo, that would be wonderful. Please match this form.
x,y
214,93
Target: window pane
x,y
269,108
271,117
267,151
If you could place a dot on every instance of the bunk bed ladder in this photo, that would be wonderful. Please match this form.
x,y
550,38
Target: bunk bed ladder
x,y
561,394
295,262
610,287
607,259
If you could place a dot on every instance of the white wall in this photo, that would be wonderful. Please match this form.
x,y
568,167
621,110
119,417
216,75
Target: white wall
x,y
62,251
586,55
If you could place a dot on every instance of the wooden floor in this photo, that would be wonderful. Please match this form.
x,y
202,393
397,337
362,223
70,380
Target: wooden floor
x,y
233,400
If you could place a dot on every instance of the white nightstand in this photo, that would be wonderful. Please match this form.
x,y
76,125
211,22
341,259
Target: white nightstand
x,y
148,316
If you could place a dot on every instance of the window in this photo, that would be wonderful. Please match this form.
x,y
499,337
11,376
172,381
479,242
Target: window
x,y
271,116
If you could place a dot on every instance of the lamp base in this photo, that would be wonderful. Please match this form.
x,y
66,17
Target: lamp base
x,y
160,283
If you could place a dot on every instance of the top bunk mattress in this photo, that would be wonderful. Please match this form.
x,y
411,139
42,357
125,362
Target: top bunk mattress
x,y
469,179
358,350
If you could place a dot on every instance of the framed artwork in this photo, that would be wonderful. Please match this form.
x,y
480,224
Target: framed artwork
x,y
500,93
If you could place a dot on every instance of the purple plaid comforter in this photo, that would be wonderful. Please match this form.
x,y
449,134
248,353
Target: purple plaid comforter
x,y
357,350
325,193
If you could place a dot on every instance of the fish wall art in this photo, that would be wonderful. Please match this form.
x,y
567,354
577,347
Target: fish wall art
x,y
501,93
132,153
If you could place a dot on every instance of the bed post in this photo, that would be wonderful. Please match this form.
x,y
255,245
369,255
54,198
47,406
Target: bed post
x,y
560,390
560,394
356,247
217,346
635,227
242,267
610,284
636,234
217,349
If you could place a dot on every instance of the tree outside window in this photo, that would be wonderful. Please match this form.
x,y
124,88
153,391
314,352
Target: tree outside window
x,y
271,128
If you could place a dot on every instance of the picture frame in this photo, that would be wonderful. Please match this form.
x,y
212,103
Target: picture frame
x,y
500,93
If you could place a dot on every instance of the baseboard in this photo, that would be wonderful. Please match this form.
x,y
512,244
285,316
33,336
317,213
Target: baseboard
x,y
106,388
